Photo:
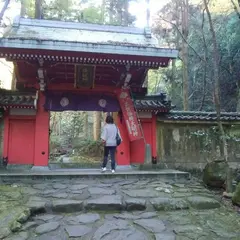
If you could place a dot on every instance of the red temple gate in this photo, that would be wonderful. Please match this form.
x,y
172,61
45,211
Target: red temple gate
x,y
106,68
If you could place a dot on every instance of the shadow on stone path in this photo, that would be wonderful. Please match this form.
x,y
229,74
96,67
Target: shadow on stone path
x,y
114,209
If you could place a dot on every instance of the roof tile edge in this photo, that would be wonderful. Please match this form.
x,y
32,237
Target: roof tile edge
x,y
79,26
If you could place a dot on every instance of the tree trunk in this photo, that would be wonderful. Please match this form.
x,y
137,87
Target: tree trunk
x,y
125,16
23,8
85,125
38,9
5,6
111,12
185,27
14,80
96,125
236,8
103,11
205,64
217,94
173,88
238,96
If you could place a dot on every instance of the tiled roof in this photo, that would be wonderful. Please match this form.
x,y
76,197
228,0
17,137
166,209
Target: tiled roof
x,y
200,116
153,103
82,37
15,99
150,106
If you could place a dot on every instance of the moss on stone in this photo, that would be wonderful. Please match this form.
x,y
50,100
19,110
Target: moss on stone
x,y
15,226
214,173
236,195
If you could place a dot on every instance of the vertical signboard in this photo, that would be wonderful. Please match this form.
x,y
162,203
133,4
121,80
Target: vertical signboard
x,y
129,114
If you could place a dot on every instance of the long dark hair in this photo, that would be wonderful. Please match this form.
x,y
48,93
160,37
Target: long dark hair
x,y
109,120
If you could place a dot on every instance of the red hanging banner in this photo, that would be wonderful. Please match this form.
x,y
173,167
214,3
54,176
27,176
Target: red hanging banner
x,y
129,115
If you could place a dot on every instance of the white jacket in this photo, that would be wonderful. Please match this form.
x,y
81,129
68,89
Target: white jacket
x,y
109,134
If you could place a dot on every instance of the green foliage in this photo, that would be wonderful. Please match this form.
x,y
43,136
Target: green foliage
x,y
168,29
88,147
113,12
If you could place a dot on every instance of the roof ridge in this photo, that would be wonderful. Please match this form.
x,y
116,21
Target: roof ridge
x,y
81,26
203,113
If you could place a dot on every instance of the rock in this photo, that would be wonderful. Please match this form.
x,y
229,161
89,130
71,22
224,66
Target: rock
x,y
126,182
29,225
179,185
160,204
227,195
236,195
165,236
11,219
15,226
4,232
13,195
129,234
96,190
181,195
24,215
190,231
109,202
199,202
78,187
41,186
60,195
67,206
49,192
214,173
77,230
133,204
47,227
48,217
126,215
118,230
129,216
59,186
103,185
88,218
36,204
29,191
152,225
82,218
162,189
145,193
19,236
148,215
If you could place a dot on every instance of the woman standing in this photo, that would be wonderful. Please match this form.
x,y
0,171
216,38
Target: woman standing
x,y
109,136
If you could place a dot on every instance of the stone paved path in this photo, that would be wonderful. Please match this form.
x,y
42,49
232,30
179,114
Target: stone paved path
x,y
113,209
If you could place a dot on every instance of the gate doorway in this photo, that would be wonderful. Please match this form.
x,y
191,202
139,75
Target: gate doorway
x,y
75,138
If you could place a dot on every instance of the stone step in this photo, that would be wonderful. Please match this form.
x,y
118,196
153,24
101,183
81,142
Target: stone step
x,y
119,203
46,173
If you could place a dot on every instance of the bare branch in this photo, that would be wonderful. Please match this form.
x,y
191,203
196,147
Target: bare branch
x,y
236,8
7,66
5,6
185,40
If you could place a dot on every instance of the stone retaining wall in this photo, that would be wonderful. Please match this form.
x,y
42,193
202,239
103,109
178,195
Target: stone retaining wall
x,y
190,146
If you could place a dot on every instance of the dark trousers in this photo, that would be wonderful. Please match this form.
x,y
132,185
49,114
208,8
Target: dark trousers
x,y
111,151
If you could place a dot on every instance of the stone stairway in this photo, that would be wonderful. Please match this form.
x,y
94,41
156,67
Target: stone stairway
x,y
73,173
119,209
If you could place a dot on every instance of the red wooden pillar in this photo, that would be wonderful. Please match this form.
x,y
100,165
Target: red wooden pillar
x,y
154,135
6,134
41,152
123,150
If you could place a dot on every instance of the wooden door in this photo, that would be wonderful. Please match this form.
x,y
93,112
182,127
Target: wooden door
x,y
21,141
